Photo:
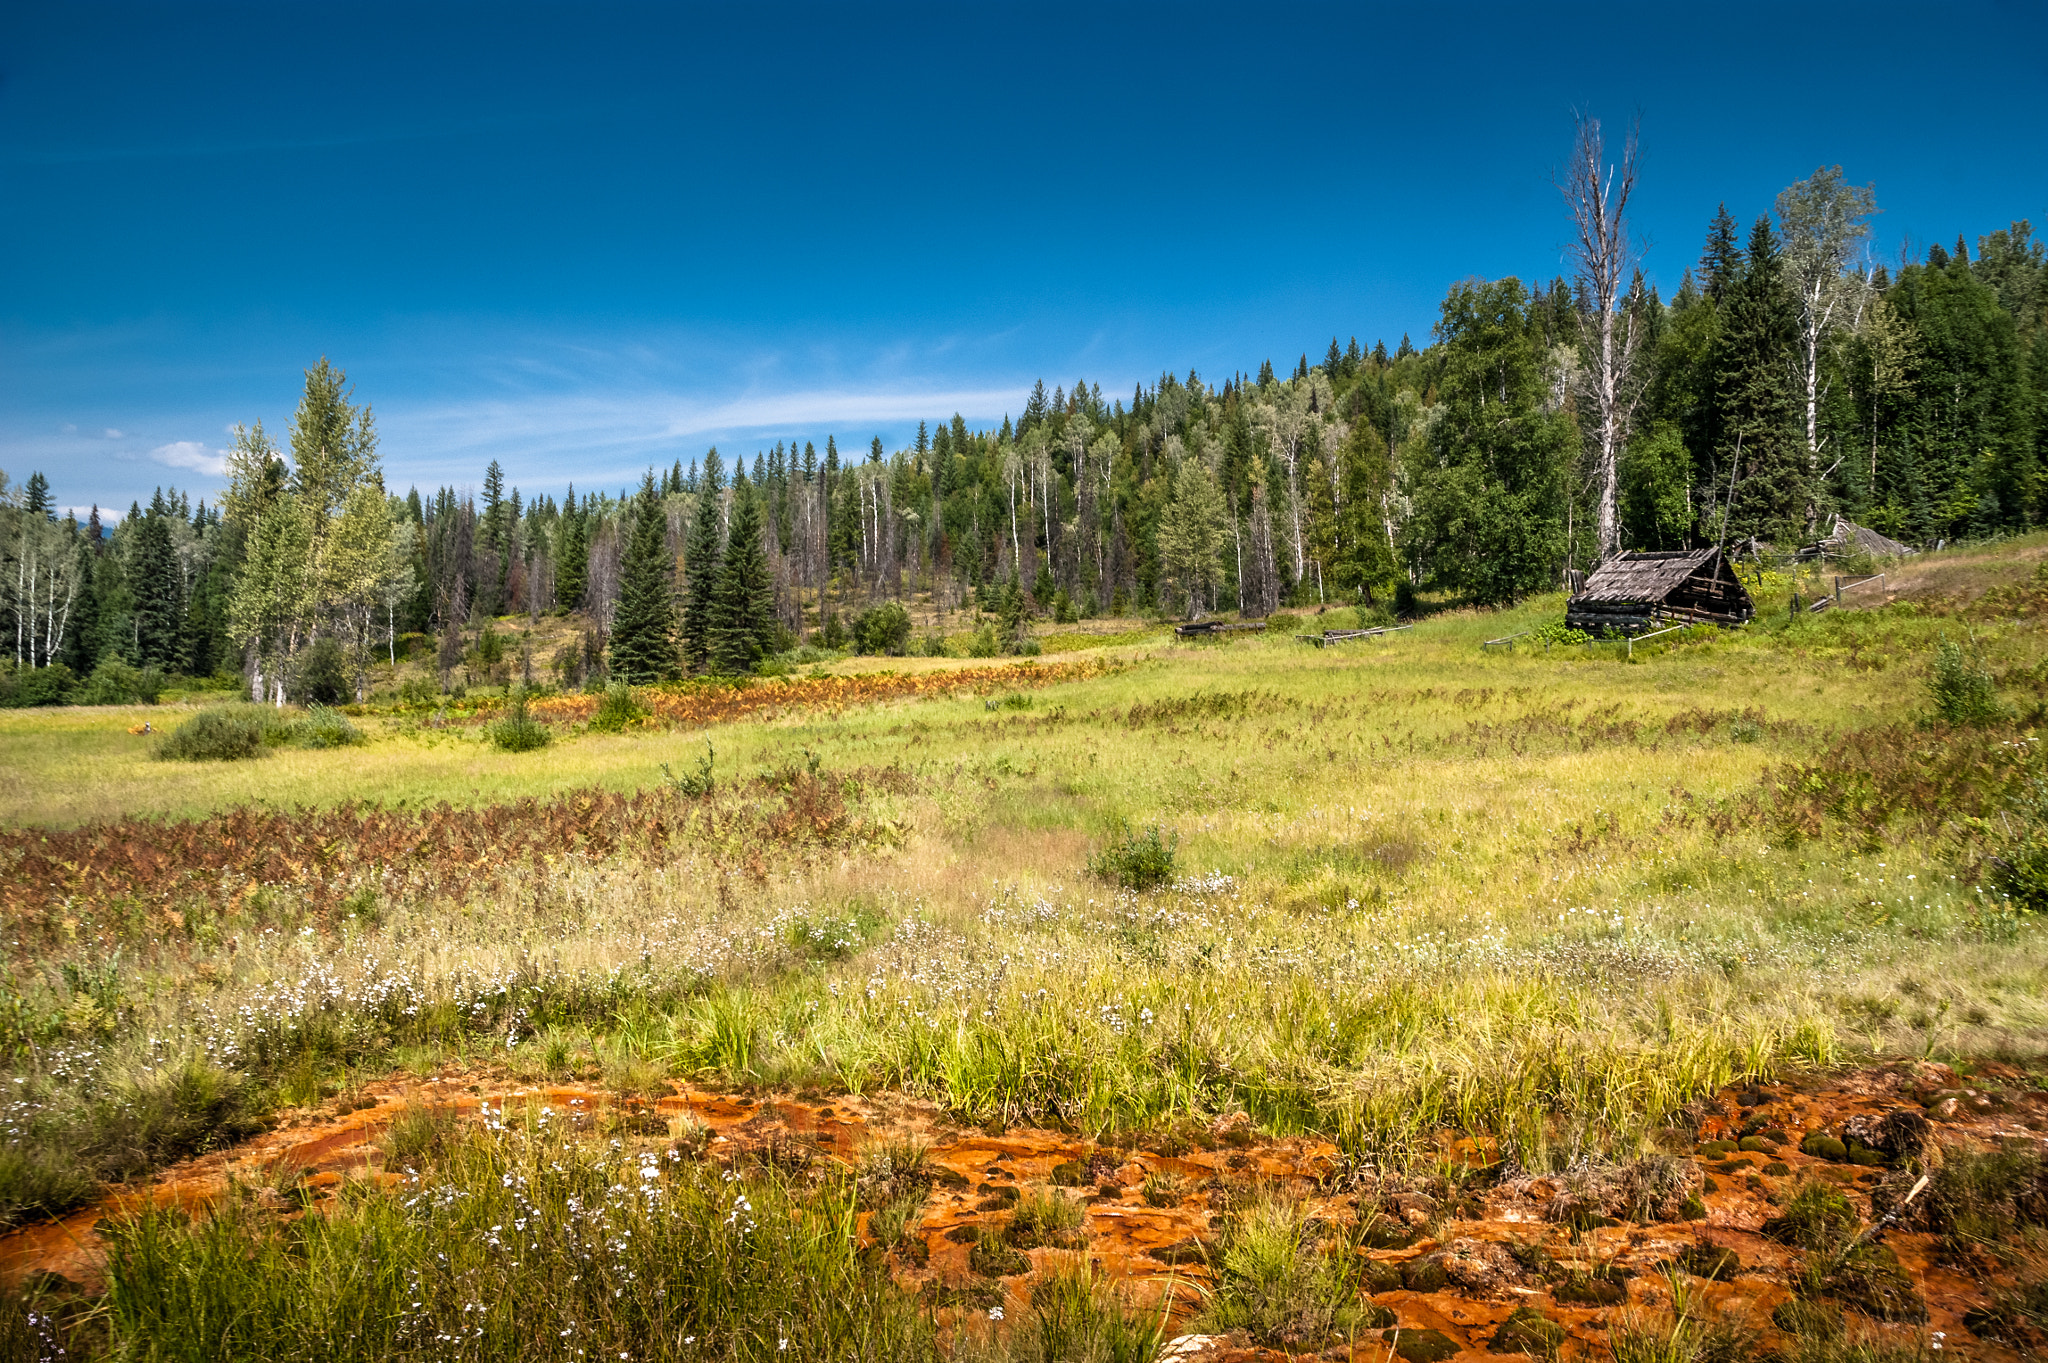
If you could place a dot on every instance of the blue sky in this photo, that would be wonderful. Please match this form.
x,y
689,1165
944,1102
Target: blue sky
x,y
584,238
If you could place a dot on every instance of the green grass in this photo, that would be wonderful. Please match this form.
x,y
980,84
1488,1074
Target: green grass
x,y
1545,898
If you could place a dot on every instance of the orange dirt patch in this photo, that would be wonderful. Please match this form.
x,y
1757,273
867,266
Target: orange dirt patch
x,y
1158,1250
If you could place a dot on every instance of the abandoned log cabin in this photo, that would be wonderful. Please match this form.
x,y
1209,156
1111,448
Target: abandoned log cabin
x,y
1640,591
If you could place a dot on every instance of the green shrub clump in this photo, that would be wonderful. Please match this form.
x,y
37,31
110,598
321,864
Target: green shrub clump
x,y
518,730
1961,688
1558,632
1138,860
222,733
617,709
325,727
883,630
114,682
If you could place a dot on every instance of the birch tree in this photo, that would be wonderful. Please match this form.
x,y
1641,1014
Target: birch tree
x,y
1604,255
1823,224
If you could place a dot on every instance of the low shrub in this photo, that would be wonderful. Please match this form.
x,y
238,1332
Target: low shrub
x,y
323,674
617,709
883,629
693,785
1138,860
933,645
114,682
517,730
1961,687
34,686
325,727
225,733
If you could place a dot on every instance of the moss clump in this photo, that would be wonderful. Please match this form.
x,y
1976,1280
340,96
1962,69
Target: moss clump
x,y
1582,1289
1420,1346
1527,1331
1820,1145
991,1258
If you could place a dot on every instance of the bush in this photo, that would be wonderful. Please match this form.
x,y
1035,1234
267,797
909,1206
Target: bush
x,y
617,709
38,686
519,731
1558,632
933,645
323,674
831,633
226,733
692,785
1961,687
984,643
114,682
883,629
324,727
1137,861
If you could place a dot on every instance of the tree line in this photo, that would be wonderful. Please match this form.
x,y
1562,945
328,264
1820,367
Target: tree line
x,y
1790,378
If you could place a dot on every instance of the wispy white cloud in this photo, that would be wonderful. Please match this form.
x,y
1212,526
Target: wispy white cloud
x,y
193,455
111,434
611,435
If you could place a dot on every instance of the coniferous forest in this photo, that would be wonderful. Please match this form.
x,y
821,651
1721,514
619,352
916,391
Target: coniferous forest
x,y
1544,426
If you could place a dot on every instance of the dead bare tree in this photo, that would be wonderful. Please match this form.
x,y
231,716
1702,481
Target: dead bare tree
x,y
1605,255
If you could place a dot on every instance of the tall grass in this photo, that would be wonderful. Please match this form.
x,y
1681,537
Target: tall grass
x,y
523,1245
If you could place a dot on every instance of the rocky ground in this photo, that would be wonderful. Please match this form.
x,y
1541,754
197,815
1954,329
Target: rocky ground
x,y
1475,1259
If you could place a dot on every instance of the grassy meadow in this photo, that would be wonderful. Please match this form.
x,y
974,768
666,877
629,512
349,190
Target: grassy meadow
x,y
1377,891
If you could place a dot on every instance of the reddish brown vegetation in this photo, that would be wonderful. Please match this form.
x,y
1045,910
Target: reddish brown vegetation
x,y
325,855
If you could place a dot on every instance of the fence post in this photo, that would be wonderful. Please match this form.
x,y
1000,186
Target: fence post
x,y
1838,589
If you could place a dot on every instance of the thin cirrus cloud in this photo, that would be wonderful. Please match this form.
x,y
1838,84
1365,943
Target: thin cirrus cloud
x,y
192,455
611,435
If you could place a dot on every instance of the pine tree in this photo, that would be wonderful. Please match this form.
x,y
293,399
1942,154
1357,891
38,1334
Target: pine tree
x,y
572,554
1753,373
643,642
158,588
1721,262
35,498
700,567
743,607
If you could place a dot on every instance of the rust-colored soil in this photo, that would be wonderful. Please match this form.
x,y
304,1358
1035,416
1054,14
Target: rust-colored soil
x,y
1159,1250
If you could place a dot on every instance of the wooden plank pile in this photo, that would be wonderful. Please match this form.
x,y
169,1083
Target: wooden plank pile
x,y
1199,629
1338,636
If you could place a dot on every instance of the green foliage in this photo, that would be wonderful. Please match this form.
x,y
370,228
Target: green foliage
x,y
1079,1316
933,645
1558,632
1278,1283
608,1259
617,709
114,682
323,674
2019,866
1961,686
324,727
517,730
227,733
984,643
882,629
1137,860
832,631
693,785
643,640
743,628
1656,482
35,686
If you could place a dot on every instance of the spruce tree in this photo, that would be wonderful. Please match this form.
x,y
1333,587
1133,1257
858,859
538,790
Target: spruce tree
x,y
643,643
1753,372
700,568
743,606
159,595
572,554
